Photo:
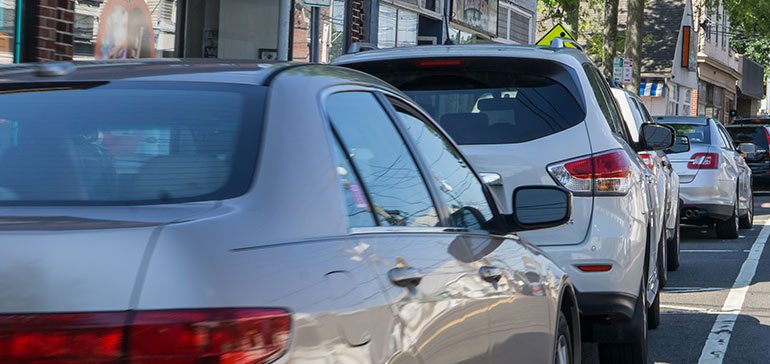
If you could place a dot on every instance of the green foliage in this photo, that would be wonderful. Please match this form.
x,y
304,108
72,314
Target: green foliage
x,y
755,49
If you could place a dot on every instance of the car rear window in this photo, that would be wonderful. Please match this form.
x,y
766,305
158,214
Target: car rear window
x,y
488,100
127,143
698,134
756,135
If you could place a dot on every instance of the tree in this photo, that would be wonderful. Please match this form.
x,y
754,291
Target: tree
x,y
609,47
635,25
569,10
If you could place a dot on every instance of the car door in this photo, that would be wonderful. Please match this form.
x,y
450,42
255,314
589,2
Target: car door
x,y
435,292
732,170
743,171
510,274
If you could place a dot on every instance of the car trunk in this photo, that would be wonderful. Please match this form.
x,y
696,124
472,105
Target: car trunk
x,y
77,259
680,161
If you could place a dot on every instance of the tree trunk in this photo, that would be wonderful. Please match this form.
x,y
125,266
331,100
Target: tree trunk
x,y
634,41
610,35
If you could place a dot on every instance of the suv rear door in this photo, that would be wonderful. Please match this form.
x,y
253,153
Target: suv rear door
x,y
509,120
758,135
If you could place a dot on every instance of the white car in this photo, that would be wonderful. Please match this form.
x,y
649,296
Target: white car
x,y
545,115
715,179
666,186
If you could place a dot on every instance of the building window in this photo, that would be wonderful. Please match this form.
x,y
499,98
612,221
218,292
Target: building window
x,y
397,28
724,29
461,37
515,24
687,104
7,31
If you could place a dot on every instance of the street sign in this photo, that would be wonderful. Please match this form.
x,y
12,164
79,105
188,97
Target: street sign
x,y
617,69
628,71
558,31
319,3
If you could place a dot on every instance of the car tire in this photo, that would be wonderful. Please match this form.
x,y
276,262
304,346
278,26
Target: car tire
x,y
563,353
661,266
748,220
672,264
653,313
633,352
729,229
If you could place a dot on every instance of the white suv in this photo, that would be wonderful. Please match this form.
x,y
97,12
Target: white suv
x,y
531,116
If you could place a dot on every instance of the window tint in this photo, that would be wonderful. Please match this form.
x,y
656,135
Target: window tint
x,y
698,134
461,191
605,100
726,141
357,206
749,134
395,186
128,143
486,101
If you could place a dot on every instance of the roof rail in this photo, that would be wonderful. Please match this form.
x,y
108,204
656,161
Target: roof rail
x,y
561,43
361,47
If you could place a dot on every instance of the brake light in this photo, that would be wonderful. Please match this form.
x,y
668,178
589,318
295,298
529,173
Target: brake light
x,y
606,173
767,137
440,63
595,268
648,161
188,336
704,161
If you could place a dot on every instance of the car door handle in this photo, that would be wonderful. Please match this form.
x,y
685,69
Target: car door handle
x,y
490,274
405,276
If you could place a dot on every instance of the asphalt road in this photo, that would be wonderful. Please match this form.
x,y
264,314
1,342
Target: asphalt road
x,y
704,290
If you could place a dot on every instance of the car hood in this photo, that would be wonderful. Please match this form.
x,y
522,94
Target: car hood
x,y
78,259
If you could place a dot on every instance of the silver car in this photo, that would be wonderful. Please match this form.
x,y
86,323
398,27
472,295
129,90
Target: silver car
x,y
174,211
715,181
666,186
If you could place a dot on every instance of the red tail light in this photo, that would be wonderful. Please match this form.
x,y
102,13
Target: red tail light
x,y
231,336
704,161
606,173
767,137
595,268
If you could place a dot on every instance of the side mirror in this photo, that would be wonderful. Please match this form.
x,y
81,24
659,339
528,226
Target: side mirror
x,y
656,136
681,145
539,207
747,149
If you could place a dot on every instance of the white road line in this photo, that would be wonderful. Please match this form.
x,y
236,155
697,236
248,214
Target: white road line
x,y
713,251
685,309
716,345
691,289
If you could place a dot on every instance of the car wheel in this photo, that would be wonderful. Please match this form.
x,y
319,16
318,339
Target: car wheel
x,y
662,250
748,220
729,229
653,313
563,351
672,264
633,352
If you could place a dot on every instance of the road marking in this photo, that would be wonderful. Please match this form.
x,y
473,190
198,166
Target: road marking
x,y
714,251
691,289
716,345
689,310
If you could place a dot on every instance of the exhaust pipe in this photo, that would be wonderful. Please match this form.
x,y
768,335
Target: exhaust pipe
x,y
688,214
695,214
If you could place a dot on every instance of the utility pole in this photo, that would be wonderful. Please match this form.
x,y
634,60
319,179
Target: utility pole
x,y
315,33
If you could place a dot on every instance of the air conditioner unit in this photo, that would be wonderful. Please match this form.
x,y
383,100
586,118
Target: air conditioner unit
x,y
422,40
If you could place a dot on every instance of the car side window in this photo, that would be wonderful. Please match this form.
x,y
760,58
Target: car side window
x,y
461,192
645,113
605,100
395,187
725,136
357,206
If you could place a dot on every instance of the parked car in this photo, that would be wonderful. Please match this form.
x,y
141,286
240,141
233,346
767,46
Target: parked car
x,y
190,211
666,187
527,115
715,181
756,134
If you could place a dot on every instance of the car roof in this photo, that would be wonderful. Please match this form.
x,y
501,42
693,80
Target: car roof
x,y
698,120
465,50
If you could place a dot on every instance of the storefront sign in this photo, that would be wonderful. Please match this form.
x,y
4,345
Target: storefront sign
x,y
477,14
125,31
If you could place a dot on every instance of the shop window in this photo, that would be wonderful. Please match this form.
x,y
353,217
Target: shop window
x,y
7,31
397,28
118,29
461,37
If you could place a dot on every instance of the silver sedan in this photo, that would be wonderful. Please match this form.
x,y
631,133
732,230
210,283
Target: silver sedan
x,y
246,213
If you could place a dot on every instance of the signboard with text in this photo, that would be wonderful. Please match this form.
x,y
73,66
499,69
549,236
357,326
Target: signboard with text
x,y
477,14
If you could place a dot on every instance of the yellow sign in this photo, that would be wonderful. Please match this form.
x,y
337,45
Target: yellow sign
x,y
558,31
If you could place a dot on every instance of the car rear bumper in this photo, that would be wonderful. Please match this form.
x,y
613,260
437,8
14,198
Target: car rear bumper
x,y
704,213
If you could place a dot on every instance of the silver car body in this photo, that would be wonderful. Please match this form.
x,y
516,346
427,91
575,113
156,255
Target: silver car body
x,y
286,243
603,230
715,192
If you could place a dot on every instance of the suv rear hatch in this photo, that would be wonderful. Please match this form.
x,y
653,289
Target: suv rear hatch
x,y
510,116
759,135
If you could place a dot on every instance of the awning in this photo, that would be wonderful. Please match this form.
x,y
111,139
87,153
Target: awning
x,y
654,88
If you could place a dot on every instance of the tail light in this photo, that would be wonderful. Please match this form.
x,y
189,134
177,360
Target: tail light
x,y
606,173
227,336
704,161
767,137
648,161
440,63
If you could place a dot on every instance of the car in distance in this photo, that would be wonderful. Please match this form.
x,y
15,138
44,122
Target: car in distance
x,y
666,186
523,115
754,132
189,211
715,181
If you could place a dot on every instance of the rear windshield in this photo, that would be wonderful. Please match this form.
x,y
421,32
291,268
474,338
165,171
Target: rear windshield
x,y
749,134
488,100
698,134
127,143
